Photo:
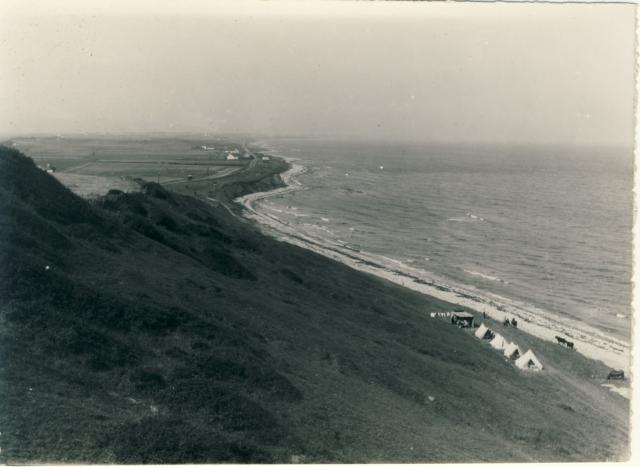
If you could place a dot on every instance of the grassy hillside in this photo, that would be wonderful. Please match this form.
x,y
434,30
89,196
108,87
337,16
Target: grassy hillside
x,y
153,327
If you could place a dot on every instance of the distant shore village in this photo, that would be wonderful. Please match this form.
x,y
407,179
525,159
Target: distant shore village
x,y
233,154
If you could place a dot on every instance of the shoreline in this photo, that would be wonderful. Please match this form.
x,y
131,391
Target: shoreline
x,y
590,342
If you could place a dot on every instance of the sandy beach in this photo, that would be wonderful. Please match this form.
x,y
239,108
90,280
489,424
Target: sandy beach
x,y
589,341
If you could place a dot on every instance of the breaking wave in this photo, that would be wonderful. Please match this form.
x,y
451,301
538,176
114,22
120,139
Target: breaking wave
x,y
486,276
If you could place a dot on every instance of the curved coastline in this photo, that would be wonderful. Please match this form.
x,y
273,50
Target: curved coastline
x,y
589,341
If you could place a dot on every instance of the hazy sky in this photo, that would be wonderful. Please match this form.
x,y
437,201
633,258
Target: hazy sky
x,y
454,72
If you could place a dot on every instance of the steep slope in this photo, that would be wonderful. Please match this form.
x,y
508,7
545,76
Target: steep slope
x,y
153,327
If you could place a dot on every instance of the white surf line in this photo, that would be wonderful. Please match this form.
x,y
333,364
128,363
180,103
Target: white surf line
x,y
589,342
623,391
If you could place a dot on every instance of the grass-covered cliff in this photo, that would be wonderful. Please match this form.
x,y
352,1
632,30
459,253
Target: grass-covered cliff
x,y
153,327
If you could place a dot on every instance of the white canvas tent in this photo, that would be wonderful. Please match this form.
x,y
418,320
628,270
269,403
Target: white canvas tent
x,y
483,332
512,350
529,362
498,342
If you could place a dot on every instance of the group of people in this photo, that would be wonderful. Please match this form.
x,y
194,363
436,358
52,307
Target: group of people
x,y
506,321
462,323
513,322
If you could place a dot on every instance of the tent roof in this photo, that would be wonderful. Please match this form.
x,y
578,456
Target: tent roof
x,y
498,342
529,357
481,331
511,348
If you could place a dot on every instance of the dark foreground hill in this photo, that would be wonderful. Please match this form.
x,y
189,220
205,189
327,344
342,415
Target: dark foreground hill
x,y
153,327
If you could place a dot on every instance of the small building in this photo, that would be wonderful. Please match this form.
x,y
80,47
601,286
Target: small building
x,y
462,318
231,157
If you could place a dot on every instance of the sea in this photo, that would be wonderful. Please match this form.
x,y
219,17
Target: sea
x,y
546,227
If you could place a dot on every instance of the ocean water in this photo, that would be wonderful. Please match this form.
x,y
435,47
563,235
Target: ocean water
x,y
546,227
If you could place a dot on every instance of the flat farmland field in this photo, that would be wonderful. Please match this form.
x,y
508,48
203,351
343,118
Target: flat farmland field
x,y
153,171
93,165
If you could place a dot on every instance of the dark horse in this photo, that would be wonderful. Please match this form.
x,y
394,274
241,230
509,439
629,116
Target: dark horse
x,y
563,341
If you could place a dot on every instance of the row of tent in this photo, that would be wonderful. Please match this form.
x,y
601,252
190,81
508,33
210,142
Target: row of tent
x,y
526,361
